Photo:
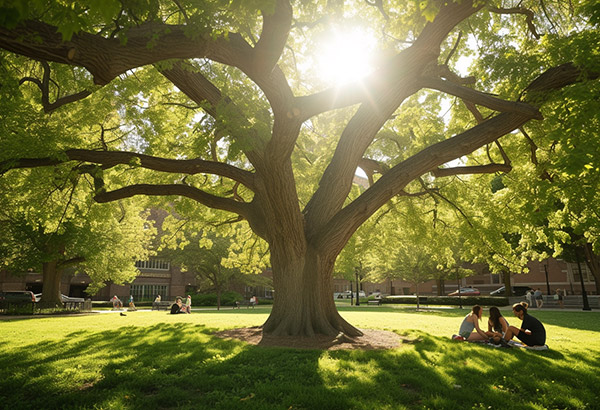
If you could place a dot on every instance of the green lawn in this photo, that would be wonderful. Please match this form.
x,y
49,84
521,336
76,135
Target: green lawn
x,y
152,360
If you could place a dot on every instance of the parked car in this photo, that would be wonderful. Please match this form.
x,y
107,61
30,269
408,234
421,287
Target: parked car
x,y
347,294
465,292
17,297
63,298
516,291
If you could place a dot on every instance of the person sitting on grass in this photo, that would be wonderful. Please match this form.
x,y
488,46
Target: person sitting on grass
x,y
471,323
532,332
497,324
177,307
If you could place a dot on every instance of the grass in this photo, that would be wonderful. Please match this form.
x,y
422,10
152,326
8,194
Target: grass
x,y
152,360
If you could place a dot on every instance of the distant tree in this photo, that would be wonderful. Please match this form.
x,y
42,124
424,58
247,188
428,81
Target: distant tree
x,y
209,256
49,227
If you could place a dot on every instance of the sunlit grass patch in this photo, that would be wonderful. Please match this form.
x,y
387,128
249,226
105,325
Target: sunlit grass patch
x,y
150,360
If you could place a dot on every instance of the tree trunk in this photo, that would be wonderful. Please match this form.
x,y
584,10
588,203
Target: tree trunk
x,y
219,298
507,284
441,287
303,303
593,262
51,288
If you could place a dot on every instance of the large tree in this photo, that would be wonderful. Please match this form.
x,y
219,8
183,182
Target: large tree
x,y
274,144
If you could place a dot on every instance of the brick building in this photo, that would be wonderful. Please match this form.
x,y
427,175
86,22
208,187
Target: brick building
x,y
547,275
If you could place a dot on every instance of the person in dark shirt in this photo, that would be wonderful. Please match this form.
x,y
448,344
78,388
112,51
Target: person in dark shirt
x,y
177,307
532,332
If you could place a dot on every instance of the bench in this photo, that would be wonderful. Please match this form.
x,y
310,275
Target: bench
x,y
246,303
71,305
161,305
570,301
374,301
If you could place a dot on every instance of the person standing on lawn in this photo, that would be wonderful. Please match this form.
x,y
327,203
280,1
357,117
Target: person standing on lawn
x,y
532,332
539,299
188,304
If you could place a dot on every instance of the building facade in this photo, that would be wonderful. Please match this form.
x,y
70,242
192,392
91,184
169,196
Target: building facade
x,y
547,275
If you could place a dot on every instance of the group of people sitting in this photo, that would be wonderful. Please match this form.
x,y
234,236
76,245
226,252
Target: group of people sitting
x,y
179,307
531,332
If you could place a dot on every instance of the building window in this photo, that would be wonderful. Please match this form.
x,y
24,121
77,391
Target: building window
x,y
153,264
587,276
495,278
149,292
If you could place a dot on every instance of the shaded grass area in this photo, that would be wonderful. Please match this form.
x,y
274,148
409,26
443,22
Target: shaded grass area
x,y
151,360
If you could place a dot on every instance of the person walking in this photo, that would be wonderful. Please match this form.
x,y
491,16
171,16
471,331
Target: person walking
x,y
539,299
131,304
529,297
188,304
560,296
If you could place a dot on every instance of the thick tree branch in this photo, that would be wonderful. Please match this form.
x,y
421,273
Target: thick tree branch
x,y
44,87
71,262
346,221
473,169
149,43
389,87
196,86
276,29
212,201
379,5
423,51
520,10
200,90
370,167
480,98
112,158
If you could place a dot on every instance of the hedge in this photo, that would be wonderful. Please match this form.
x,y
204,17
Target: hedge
x,y
447,300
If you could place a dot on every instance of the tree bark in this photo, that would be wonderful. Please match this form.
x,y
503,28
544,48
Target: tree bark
x,y
593,263
304,304
52,276
507,284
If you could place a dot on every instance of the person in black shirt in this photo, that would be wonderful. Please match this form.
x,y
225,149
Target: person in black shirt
x,y
532,332
177,307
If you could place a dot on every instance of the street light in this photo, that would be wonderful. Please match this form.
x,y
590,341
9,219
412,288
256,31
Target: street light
x,y
458,287
586,304
357,287
547,283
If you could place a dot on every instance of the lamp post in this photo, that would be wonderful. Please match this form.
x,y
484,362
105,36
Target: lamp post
x,y
586,304
357,287
458,288
547,283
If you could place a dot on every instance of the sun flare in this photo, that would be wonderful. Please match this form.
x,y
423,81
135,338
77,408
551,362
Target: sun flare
x,y
346,56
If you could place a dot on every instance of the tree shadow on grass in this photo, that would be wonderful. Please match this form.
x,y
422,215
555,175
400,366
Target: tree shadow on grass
x,y
182,365
514,378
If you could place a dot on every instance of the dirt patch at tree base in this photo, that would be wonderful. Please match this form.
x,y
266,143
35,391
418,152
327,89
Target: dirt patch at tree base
x,y
371,339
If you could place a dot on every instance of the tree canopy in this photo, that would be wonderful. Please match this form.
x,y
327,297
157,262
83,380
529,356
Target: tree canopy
x,y
229,104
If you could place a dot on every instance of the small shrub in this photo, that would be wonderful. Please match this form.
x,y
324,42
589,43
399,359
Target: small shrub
x,y
210,299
